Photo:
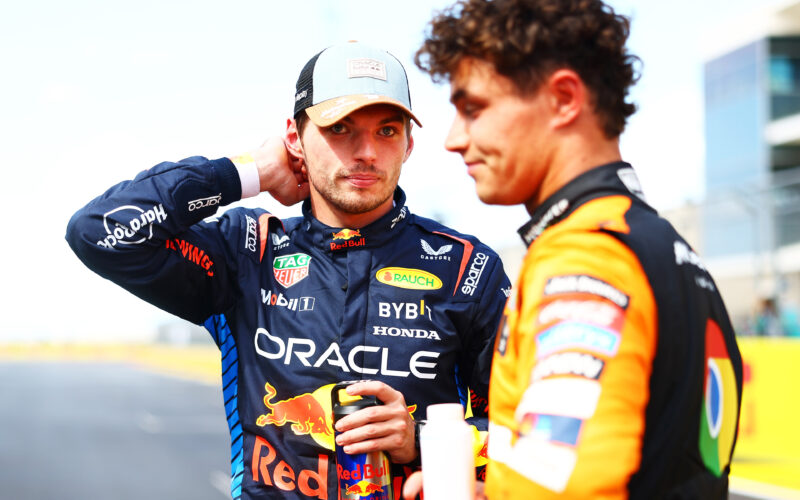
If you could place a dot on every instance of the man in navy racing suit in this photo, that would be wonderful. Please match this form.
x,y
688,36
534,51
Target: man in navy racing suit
x,y
356,288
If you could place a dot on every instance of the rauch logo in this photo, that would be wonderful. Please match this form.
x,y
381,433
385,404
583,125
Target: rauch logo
x,y
415,279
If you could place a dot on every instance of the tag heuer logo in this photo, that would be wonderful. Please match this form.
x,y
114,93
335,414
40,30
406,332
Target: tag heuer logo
x,y
290,269
414,279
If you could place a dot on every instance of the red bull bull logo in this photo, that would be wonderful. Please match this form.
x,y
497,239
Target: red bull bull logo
x,y
364,489
304,412
309,414
347,234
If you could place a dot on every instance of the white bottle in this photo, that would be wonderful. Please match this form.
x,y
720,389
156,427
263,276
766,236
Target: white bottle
x,y
448,462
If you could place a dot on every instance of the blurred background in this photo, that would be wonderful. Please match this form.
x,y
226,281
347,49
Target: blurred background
x,y
103,393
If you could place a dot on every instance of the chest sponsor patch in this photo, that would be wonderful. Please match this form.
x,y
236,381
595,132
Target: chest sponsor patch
x,y
279,242
351,238
574,335
413,279
435,253
404,310
291,269
413,333
293,304
582,283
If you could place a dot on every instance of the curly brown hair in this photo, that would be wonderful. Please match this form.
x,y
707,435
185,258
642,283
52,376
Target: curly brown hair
x,y
526,40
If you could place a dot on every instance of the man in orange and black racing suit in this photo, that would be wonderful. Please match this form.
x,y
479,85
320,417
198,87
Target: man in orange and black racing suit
x,y
616,373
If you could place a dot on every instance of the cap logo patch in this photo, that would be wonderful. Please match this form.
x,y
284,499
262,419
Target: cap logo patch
x,y
364,67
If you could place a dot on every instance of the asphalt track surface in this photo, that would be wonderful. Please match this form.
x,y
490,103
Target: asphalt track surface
x,y
95,430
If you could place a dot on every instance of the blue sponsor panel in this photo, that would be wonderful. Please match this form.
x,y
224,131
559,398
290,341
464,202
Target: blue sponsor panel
x,y
575,335
556,429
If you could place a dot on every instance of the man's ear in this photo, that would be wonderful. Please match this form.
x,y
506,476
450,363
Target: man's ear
x,y
568,95
410,147
293,143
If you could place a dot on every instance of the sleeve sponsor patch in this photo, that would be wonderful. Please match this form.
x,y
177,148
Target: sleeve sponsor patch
x,y
545,463
193,254
552,428
574,335
568,363
577,308
565,396
503,332
582,283
474,274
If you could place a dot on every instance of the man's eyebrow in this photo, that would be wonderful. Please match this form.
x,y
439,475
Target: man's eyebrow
x,y
391,119
457,95
394,118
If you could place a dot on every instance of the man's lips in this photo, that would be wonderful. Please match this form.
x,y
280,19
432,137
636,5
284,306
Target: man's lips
x,y
472,166
362,180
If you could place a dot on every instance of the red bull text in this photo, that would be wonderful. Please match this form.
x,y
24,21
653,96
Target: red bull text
x,y
363,476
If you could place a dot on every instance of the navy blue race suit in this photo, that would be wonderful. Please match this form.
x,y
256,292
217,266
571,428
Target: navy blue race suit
x,y
295,306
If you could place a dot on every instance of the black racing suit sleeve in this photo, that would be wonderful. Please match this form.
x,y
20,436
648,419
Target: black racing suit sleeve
x,y
475,364
148,236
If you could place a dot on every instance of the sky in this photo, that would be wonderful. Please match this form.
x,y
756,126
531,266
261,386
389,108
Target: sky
x,y
95,91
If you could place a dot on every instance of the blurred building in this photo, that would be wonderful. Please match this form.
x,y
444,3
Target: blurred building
x,y
750,220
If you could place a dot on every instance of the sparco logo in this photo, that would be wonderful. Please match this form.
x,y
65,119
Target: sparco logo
x,y
205,202
474,275
414,333
421,364
250,240
137,220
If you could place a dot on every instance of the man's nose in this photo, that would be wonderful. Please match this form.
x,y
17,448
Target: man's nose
x,y
457,139
365,149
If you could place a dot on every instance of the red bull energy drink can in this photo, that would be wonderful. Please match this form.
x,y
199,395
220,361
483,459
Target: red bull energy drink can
x,y
365,476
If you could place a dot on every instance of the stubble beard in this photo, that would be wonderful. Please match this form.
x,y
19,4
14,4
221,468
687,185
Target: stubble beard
x,y
351,200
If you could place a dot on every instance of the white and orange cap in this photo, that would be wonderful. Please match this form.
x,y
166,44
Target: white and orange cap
x,y
347,77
